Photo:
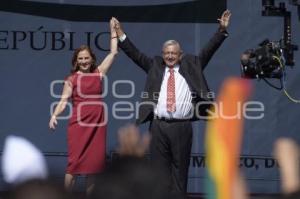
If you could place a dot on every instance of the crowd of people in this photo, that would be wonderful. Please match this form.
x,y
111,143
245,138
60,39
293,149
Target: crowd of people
x,y
131,176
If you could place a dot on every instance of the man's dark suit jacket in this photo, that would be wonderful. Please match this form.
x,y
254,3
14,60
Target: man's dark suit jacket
x,y
191,68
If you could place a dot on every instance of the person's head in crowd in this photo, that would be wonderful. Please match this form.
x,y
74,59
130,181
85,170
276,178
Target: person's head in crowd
x,y
22,161
131,176
38,189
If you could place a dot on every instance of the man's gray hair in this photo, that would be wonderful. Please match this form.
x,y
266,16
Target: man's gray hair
x,y
171,43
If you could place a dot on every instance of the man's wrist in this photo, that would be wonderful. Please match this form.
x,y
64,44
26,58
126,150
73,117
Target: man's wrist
x,y
122,37
222,29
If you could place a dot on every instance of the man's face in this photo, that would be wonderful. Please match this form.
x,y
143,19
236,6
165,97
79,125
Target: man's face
x,y
171,55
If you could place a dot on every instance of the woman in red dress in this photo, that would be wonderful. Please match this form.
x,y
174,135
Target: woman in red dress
x,y
87,125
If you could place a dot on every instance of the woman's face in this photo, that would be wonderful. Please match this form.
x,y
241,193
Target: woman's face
x,y
84,61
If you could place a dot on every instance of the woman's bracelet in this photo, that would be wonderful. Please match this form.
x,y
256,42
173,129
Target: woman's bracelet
x,y
114,37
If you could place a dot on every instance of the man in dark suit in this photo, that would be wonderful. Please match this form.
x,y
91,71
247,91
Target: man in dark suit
x,y
175,94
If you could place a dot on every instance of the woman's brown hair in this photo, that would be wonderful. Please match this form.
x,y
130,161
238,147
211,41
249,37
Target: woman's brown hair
x,y
75,66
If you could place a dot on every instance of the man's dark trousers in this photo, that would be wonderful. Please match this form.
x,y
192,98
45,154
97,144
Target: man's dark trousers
x,y
170,150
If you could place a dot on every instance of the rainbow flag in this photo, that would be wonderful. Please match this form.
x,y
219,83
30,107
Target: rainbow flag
x,y
223,138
